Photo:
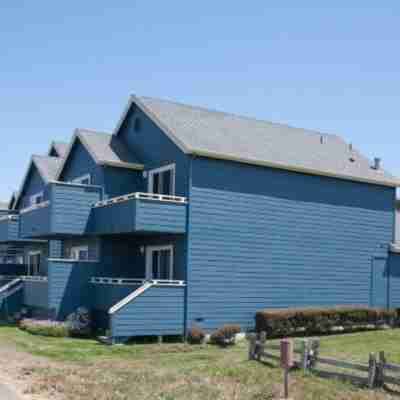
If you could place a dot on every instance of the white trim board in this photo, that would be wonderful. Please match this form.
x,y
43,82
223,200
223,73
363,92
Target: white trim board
x,y
152,172
149,263
81,178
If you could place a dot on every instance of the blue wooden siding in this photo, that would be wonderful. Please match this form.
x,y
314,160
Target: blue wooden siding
x,y
115,181
80,163
72,207
68,213
140,216
36,294
264,238
36,223
120,181
157,311
104,296
33,185
69,286
153,148
9,230
393,272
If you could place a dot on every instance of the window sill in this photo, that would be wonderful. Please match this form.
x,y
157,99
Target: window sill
x,y
394,247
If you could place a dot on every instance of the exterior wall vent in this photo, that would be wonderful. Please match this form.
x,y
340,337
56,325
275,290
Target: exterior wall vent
x,y
377,163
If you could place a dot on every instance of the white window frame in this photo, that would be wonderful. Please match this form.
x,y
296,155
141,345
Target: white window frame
x,y
77,249
149,260
33,198
34,253
397,223
79,179
152,172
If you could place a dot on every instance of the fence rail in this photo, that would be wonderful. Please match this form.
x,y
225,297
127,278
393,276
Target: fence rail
x,y
310,359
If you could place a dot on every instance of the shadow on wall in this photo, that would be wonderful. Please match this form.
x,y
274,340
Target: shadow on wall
x,y
13,269
73,288
393,265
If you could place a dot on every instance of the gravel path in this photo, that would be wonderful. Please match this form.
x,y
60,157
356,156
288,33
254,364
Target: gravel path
x,y
7,394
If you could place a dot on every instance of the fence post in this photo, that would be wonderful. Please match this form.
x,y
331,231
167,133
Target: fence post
x,y
305,354
372,370
380,373
314,353
261,345
252,345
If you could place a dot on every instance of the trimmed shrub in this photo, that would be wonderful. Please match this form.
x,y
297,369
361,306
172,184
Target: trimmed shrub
x,y
196,335
79,323
44,327
225,335
312,321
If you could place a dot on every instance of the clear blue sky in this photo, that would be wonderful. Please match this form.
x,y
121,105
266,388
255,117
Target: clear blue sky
x,y
74,63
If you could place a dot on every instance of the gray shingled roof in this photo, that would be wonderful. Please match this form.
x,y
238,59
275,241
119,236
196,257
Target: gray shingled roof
x,y
221,135
106,148
47,166
61,148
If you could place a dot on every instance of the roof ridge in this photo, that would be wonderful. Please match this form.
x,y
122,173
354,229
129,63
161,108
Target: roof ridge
x,y
44,156
86,130
249,118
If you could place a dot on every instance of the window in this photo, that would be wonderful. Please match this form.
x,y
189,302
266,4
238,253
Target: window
x,y
34,262
36,198
160,262
162,180
83,180
80,252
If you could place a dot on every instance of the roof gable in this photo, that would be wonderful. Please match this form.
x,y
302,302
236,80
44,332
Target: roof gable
x,y
220,135
58,149
45,166
104,148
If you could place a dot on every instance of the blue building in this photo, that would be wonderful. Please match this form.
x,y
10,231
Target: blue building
x,y
185,216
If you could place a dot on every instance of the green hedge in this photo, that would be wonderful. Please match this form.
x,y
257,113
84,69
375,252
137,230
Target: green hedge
x,y
311,321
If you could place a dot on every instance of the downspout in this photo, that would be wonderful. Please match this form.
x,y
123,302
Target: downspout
x,y
188,234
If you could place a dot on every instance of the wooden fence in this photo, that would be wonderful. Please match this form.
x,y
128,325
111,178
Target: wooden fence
x,y
308,358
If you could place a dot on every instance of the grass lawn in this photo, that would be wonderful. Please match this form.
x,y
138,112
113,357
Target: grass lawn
x,y
83,369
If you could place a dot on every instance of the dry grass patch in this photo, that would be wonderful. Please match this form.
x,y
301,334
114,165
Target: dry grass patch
x,y
84,370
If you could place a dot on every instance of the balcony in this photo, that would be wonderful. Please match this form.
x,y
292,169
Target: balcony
x,y
9,228
140,213
65,211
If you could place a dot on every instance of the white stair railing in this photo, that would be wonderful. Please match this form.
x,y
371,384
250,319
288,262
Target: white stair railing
x,y
10,288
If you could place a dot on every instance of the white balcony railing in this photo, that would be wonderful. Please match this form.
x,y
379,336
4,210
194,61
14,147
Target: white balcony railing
x,y
141,196
127,281
34,278
9,217
44,204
